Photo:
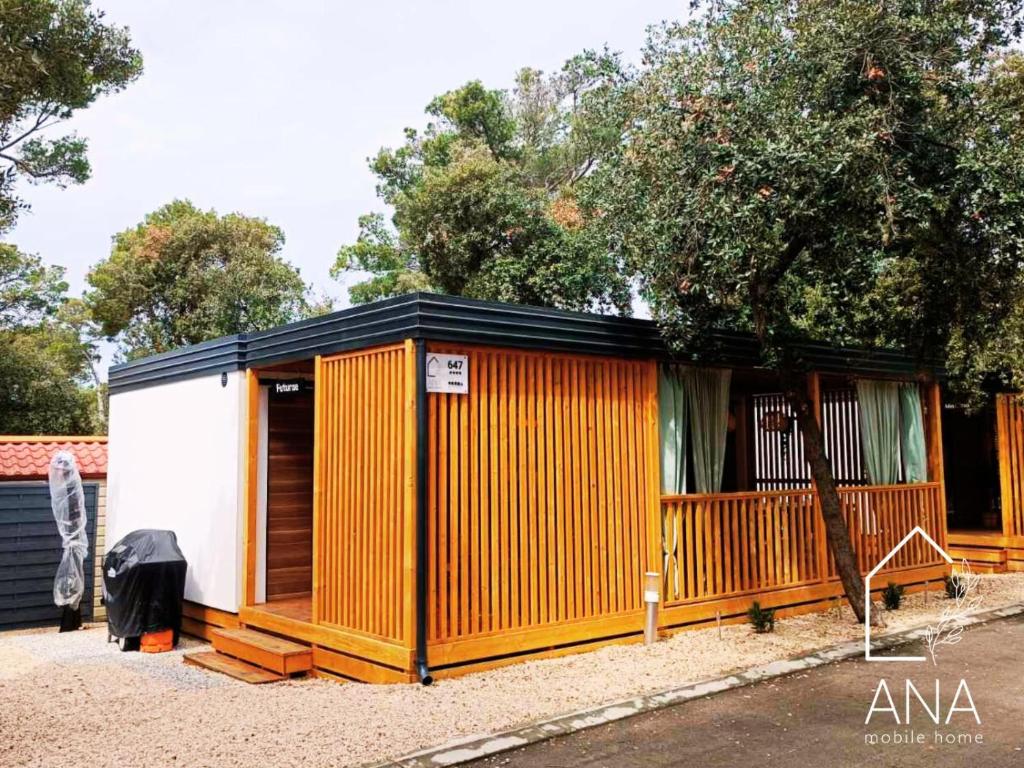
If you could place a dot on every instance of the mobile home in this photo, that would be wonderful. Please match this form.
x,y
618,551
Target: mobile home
x,y
427,485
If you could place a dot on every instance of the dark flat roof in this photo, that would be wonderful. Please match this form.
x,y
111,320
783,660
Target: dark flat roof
x,y
470,321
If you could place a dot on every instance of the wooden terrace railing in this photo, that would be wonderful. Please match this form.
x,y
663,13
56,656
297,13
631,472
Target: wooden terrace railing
x,y
724,545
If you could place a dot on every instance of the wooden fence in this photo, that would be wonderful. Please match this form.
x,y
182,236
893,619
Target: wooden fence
x,y
719,546
879,516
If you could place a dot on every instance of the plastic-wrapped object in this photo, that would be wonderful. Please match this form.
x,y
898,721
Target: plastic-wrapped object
x,y
68,502
144,584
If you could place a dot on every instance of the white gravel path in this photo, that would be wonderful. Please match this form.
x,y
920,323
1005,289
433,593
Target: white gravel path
x,y
73,699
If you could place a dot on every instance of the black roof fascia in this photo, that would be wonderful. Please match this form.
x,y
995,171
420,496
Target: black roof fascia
x,y
205,359
471,321
367,325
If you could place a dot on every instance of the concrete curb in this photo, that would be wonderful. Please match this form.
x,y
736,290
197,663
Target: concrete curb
x,y
476,747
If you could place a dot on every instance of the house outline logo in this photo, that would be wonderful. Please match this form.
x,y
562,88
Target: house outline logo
x,y
433,366
867,593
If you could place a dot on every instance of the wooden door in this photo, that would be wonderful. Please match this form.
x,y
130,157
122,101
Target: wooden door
x,y
289,494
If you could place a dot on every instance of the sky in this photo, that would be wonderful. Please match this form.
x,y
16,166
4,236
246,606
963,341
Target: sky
x,y
271,109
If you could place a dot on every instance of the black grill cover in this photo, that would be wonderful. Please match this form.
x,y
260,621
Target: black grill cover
x,y
144,584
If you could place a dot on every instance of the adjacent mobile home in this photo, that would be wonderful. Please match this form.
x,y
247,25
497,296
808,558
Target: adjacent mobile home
x,y
984,454
427,484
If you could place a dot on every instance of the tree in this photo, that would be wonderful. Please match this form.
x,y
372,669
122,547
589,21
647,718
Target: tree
x,y
83,348
841,171
184,275
44,389
56,57
44,365
29,290
485,198
997,350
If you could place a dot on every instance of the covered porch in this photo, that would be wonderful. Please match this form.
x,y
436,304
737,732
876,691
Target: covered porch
x,y
740,517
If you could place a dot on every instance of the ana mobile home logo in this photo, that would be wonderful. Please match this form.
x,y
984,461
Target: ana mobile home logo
x,y
919,708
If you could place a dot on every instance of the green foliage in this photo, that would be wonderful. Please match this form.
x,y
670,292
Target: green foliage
x,y
956,586
378,251
892,596
837,170
999,350
184,275
846,171
761,619
473,112
46,362
29,290
44,385
56,57
485,198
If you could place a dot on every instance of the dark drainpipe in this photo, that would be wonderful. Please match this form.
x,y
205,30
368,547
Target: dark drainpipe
x,y
421,513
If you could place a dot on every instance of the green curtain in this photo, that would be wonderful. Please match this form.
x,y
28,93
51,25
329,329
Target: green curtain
x,y
879,407
673,424
672,418
915,454
707,395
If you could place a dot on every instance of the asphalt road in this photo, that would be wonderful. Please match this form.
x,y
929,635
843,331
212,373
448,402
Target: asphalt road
x,y
817,718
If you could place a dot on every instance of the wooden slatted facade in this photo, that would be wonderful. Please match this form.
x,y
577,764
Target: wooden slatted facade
x,y
840,424
361,515
1010,426
779,457
541,489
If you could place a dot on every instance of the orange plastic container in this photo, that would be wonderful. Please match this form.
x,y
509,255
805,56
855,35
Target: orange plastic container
x,y
157,642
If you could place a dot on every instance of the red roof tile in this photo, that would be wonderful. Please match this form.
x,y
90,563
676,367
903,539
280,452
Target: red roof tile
x,y
28,458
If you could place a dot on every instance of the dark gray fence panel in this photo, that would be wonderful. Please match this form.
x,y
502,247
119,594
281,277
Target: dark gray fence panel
x,y
30,550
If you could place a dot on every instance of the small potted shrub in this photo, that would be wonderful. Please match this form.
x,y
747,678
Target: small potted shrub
x,y
954,586
762,619
892,596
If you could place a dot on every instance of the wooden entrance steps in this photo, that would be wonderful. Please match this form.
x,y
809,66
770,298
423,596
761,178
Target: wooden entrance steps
x,y
232,667
982,559
252,656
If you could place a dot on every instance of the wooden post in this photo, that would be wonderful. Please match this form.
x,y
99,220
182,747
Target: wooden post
x,y
936,467
409,585
1003,416
249,532
318,506
653,464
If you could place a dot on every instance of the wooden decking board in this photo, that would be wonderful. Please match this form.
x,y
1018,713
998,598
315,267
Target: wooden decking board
x,y
232,667
298,607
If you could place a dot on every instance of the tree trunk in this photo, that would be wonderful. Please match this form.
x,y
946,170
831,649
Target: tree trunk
x,y
836,532
101,412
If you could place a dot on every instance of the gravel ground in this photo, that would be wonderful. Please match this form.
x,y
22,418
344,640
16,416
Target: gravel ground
x,y
67,699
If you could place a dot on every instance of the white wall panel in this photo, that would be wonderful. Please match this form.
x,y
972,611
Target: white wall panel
x,y
176,461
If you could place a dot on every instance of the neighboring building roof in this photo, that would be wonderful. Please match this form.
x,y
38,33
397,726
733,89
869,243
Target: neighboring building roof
x,y
27,457
470,321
